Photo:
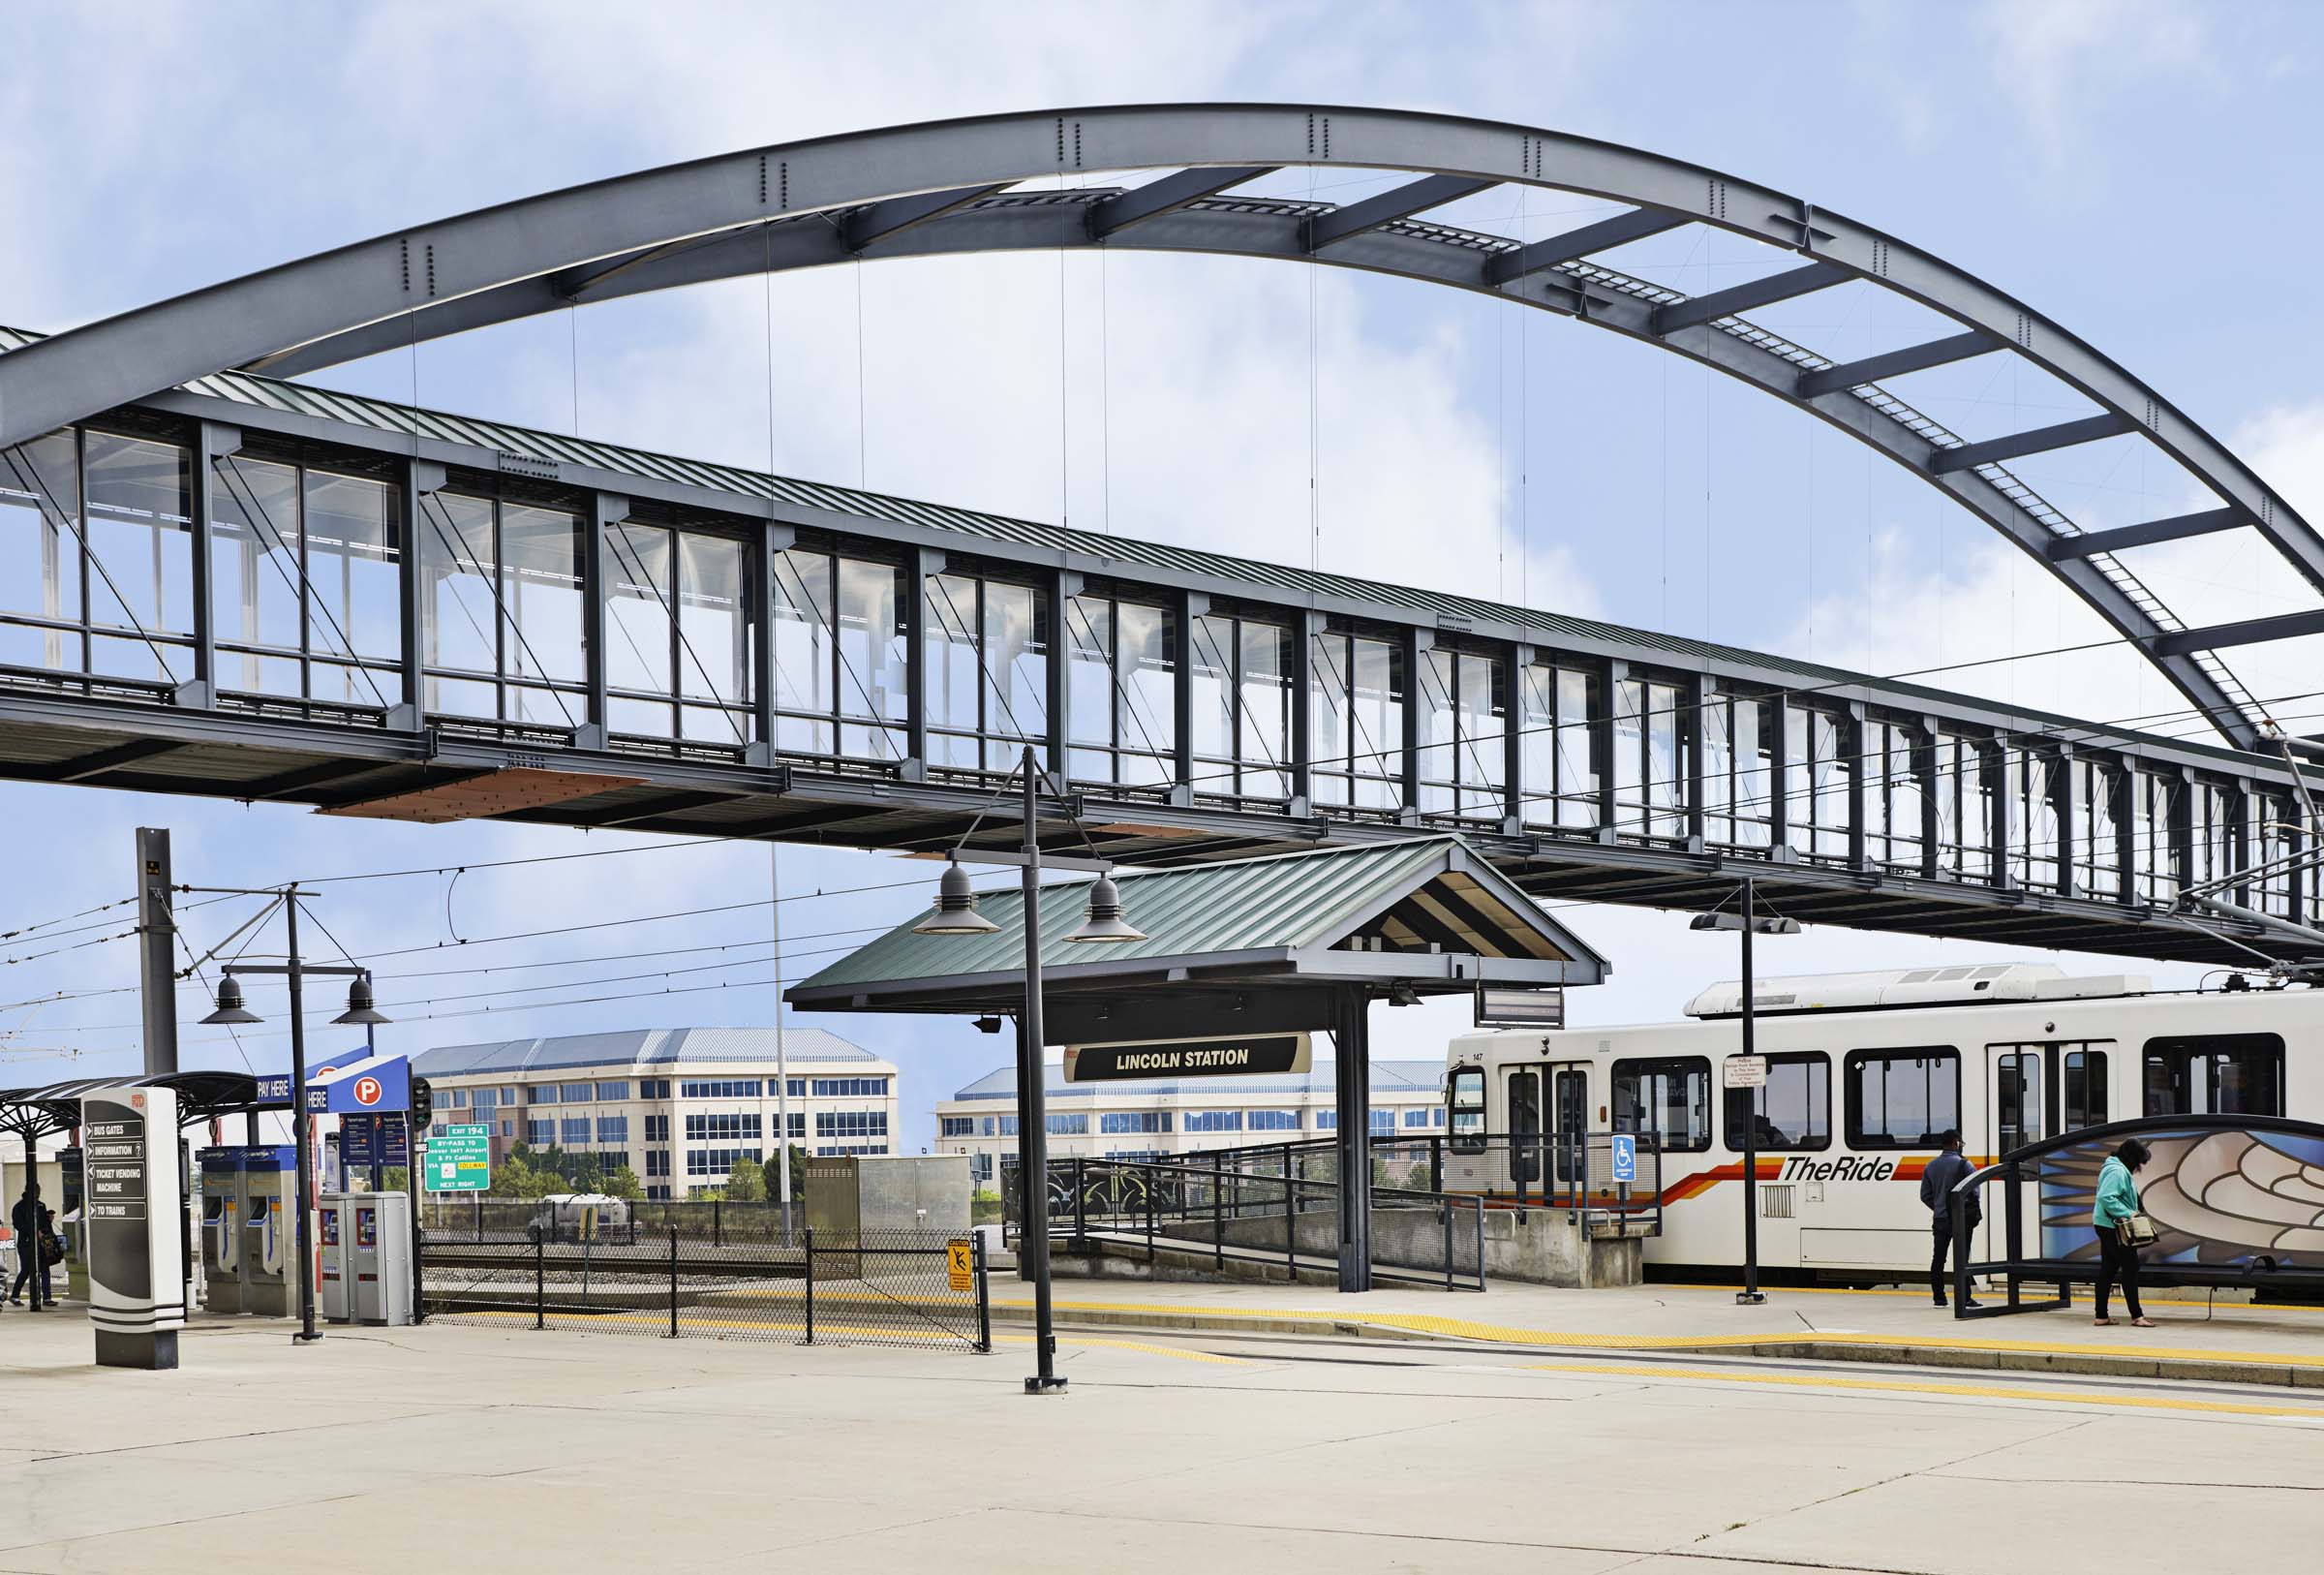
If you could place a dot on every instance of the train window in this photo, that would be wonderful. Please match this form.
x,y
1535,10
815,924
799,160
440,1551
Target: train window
x,y
1902,1098
1670,1098
2214,1075
2085,1090
1466,1100
1794,1110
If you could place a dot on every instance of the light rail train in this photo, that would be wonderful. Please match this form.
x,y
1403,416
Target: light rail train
x,y
1865,1073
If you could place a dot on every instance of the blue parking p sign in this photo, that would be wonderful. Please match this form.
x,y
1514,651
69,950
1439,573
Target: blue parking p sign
x,y
1626,1156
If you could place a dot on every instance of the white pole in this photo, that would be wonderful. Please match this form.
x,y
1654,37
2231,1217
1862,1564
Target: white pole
x,y
782,1066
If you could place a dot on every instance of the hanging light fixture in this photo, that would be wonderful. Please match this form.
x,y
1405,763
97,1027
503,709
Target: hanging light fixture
x,y
955,913
230,1003
360,1012
1104,920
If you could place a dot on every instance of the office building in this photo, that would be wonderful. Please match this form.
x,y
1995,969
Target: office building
x,y
678,1106
1175,1116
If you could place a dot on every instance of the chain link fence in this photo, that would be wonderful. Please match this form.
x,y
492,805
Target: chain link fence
x,y
680,1269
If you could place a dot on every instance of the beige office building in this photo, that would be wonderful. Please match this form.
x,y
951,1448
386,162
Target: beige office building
x,y
678,1106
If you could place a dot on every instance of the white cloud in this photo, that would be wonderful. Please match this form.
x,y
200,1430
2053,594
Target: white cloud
x,y
2061,63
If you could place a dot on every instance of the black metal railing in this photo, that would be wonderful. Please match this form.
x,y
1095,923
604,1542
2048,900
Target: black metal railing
x,y
1574,1172
1196,1212
701,1276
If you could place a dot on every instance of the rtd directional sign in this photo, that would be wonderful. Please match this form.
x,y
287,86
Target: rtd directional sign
x,y
1239,1055
460,1160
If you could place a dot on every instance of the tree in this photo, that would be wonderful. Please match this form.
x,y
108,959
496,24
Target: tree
x,y
623,1183
746,1183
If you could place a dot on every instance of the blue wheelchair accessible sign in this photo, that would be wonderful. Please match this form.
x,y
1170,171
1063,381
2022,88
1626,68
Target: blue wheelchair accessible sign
x,y
1626,1156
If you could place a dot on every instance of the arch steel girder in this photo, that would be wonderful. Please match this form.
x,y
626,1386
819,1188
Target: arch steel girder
x,y
1030,222
244,322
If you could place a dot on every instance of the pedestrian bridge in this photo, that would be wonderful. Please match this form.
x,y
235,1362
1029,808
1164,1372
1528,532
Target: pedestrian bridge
x,y
220,582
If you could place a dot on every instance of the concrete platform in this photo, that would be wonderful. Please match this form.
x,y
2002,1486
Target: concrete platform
x,y
462,1447
2210,1339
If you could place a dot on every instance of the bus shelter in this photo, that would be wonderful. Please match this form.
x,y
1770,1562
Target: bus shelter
x,y
1283,945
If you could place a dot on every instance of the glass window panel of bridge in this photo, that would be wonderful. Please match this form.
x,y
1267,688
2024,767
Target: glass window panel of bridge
x,y
987,656
305,582
1241,672
1964,791
1650,778
1121,711
1821,766
2098,857
1464,723
1735,770
1558,706
2029,781
1892,796
137,521
678,630
501,610
2154,872
2274,839
1356,719
2217,831
39,553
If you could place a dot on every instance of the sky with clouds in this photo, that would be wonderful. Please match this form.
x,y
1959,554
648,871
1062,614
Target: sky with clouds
x,y
2140,171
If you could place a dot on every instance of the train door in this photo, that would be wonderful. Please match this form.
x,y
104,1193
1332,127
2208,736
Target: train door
x,y
1524,1090
2020,1108
1569,1125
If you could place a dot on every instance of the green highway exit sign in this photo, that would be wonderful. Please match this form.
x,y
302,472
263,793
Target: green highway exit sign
x,y
460,1160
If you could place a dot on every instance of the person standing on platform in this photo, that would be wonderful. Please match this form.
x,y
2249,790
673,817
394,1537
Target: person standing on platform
x,y
25,1220
2118,1201
1936,1184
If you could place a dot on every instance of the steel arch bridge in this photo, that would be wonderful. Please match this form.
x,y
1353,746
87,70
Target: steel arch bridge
x,y
2081,833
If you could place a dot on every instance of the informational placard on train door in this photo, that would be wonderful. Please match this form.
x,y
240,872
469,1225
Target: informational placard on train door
x,y
1624,1148
136,1287
1746,1072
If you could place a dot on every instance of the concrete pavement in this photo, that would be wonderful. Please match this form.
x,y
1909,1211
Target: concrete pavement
x,y
412,1449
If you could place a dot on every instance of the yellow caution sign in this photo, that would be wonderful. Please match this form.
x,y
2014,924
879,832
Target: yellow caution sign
x,y
959,1269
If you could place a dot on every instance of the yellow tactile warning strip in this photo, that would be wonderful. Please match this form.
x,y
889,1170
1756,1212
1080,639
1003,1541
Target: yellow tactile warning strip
x,y
1974,1391
1425,1323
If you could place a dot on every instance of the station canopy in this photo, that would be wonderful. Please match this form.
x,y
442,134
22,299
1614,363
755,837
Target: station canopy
x,y
202,1096
1251,944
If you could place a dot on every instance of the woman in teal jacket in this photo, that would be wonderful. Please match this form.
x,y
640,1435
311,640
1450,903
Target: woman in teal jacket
x,y
2118,1201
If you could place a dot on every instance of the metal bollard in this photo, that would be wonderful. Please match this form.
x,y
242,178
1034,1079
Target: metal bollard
x,y
539,1283
811,1285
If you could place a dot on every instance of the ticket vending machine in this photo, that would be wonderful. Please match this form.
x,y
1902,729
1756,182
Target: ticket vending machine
x,y
222,1227
379,1256
334,1213
268,1205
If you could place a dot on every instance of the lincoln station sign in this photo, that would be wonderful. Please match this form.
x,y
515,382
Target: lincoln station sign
x,y
1187,1058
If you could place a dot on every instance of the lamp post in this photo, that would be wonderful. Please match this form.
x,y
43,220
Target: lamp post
x,y
955,914
359,1011
1749,923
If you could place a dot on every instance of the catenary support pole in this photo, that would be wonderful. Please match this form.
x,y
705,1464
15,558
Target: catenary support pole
x,y
782,1066
301,1135
157,934
1032,1110
1750,1294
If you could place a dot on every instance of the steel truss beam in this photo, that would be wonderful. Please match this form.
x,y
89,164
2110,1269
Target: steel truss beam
x,y
916,191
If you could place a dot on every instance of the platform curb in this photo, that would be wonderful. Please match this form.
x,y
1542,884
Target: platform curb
x,y
2209,1367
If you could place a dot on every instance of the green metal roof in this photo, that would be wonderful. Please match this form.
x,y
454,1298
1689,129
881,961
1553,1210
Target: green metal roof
x,y
1280,902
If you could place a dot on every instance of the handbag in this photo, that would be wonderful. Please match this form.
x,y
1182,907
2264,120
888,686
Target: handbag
x,y
2135,1231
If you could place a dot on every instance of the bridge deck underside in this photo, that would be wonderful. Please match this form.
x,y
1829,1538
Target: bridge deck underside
x,y
168,751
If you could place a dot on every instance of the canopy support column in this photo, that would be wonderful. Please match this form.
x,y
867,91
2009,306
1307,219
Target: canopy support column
x,y
1351,1092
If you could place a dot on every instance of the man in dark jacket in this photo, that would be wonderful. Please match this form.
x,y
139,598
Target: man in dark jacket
x,y
1937,1184
25,1220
